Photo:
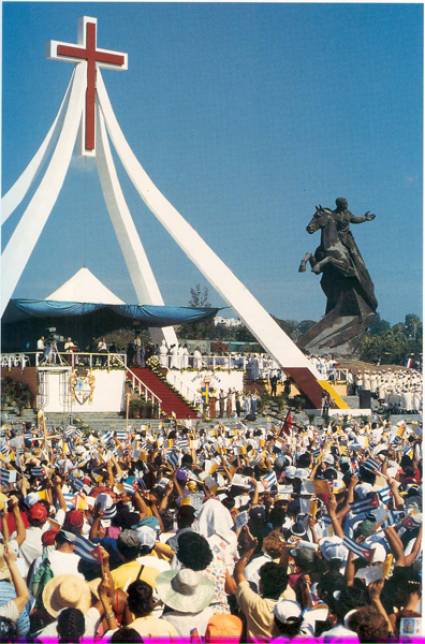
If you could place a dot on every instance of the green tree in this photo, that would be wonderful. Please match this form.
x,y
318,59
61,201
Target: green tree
x,y
413,326
242,334
205,328
379,326
392,345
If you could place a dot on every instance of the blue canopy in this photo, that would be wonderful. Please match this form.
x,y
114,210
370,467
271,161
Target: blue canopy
x,y
147,315
25,319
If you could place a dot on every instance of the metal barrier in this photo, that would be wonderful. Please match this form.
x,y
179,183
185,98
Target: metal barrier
x,y
63,359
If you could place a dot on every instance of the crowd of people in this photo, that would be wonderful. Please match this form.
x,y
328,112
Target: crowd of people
x,y
235,532
399,390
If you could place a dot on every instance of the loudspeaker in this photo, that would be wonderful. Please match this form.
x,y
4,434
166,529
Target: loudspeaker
x,y
365,399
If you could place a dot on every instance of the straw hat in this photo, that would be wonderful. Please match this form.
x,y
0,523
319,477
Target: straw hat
x,y
66,591
186,591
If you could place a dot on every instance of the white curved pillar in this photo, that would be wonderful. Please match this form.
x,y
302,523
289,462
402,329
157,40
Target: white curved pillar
x,y
136,259
254,316
17,192
27,232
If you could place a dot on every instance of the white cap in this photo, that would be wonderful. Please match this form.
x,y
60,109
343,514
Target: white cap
x,y
362,490
146,536
286,609
329,459
290,471
333,548
301,473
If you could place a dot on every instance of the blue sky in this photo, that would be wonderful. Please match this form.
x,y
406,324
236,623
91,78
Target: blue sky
x,y
245,116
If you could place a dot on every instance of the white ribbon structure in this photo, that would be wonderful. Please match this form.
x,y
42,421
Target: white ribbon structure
x,y
25,236
22,242
17,192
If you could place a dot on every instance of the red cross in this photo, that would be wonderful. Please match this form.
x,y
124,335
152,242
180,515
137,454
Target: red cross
x,y
88,52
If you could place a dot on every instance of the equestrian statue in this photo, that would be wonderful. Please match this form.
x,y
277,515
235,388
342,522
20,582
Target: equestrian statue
x,y
351,302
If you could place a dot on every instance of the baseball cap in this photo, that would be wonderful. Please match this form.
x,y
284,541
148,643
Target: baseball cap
x,y
38,512
333,548
362,490
146,536
48,538
74,519
130,538
286,610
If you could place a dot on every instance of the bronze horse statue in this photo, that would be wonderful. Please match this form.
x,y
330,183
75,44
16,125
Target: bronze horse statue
x,y
345,278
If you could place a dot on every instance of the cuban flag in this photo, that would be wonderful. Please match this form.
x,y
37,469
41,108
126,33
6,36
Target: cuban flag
x,y
70,431
359,549
172,458
85,548
37,472
7,476
121,436
70,499
105,438
393,518
372,465
385,494
270,479
4,449
128,487
365,505
182,443
77,483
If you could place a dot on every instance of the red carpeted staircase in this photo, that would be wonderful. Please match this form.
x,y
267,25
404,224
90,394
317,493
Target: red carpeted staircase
x,y
171,400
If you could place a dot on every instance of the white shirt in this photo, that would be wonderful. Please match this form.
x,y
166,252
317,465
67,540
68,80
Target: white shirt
x,y
32,548
62,563
91,618
154,562
338,631
253,568
184,623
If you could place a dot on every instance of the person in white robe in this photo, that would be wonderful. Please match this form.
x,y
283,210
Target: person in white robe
x,y
174,357
197,359
163,354
184,356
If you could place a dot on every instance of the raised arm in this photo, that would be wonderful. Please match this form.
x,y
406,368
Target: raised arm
x,y
331,507
19,523
360,219
411,558
22,594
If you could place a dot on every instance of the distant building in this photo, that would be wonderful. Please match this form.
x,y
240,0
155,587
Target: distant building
x,y
227,322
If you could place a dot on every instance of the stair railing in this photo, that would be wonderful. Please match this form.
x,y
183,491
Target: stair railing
x,y
139,386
